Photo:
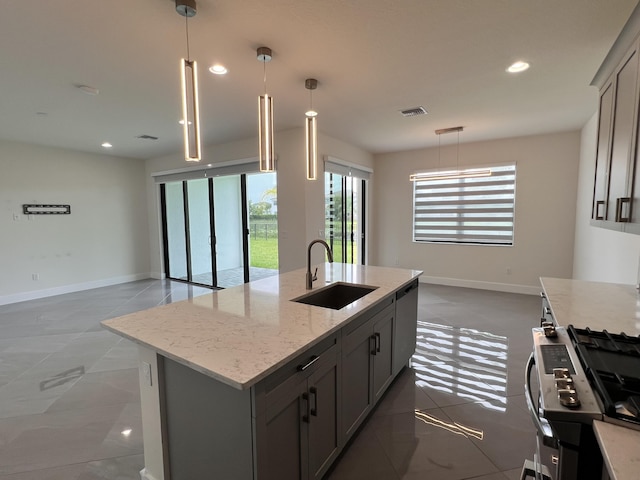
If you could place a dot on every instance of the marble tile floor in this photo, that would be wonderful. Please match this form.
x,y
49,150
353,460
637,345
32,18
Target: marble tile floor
x,y
233,276
70,408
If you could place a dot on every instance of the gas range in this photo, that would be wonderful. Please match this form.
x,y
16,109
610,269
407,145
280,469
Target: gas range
x,y
582,375
612,365
585,375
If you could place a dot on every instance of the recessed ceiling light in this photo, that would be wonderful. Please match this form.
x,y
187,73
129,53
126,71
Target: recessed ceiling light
x,y
518,67
107,145
218,69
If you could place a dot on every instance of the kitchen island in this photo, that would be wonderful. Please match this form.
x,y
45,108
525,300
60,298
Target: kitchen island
x,y
245,383
601,306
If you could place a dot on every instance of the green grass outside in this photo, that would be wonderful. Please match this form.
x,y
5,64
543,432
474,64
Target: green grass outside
x,y
264,252
264,245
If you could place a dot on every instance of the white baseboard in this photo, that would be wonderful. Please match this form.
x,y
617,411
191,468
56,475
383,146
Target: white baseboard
x,y
145,475
76,287
497,287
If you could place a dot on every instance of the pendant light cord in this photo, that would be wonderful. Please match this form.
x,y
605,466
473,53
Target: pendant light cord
x,y
458,153
264,66
438,152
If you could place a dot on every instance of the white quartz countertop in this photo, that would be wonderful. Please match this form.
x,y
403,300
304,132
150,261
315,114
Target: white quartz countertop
x,y
600,306
615,308
242,334
620,449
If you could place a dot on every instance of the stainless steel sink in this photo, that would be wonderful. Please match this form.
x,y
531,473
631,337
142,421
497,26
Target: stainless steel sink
x,y
336,295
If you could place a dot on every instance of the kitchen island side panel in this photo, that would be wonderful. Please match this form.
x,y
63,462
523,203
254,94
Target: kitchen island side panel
x,y
208,424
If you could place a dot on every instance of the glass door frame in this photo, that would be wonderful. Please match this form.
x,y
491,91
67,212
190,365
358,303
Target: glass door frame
x,y
347,207
187,235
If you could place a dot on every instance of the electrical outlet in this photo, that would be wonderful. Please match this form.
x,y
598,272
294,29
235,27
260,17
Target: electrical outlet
x,y
16,217
146,373
35,276
508,270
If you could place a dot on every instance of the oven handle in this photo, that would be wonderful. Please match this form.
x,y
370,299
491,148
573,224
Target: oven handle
x,y
543,427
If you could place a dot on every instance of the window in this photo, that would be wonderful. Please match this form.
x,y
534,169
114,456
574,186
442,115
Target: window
x,y
465,210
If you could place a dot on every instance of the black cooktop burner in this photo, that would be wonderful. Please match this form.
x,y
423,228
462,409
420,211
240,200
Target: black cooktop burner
x,y
612,363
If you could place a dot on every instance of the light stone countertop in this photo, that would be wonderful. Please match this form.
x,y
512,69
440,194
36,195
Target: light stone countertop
x,y
242,334
600,306
620,449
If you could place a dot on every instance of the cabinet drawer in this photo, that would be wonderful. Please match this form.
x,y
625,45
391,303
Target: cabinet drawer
x,y
295,372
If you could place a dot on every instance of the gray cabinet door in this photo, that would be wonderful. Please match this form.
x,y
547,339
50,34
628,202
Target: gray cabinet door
x,y
299,436
598,210
286,445
382,353
367,367
324,416
622,146
357,396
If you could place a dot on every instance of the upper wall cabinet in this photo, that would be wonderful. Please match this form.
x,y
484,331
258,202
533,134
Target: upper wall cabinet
x,y
616,190
618,121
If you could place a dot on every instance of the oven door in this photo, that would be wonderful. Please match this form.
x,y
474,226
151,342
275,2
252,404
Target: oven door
x,y
546,442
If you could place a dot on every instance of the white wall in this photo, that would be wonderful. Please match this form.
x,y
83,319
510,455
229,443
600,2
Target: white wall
x,y
546,185
300,202
600,255
103,241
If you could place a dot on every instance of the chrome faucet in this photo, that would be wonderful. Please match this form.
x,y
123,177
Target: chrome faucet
x,y
311,277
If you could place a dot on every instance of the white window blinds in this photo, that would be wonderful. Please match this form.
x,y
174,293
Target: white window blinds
x,y
467,210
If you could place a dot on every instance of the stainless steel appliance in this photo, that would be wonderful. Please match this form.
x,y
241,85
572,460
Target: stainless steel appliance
x,y
581,375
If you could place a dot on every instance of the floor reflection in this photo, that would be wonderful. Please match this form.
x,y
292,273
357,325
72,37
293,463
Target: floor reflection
x,y
453,427
464,362
233,276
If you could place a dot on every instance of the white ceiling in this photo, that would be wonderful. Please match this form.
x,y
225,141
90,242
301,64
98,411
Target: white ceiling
x,y
372,58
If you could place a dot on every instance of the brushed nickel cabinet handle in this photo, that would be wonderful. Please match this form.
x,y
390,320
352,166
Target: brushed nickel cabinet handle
x,y
620,203
599,213
314,359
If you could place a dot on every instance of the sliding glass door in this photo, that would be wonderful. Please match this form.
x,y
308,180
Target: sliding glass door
x,y
229,250
345,217
199,232
207,230
174,227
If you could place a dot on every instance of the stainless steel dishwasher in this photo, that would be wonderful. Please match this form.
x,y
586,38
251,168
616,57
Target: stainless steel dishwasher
x,y
406,325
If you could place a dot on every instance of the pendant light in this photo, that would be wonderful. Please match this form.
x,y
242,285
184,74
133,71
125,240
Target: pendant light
x,y
450,174
265,119
311,131
189,85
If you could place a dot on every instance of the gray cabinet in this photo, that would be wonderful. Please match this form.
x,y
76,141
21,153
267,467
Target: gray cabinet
x,y
367,364
297,428
616,189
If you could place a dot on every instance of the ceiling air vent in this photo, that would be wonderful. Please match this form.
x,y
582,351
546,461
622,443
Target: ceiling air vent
x,y
412,112
147,137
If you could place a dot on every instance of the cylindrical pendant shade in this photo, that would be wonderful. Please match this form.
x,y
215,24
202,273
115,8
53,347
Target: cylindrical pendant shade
x,y
190,110
265,133
311,147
